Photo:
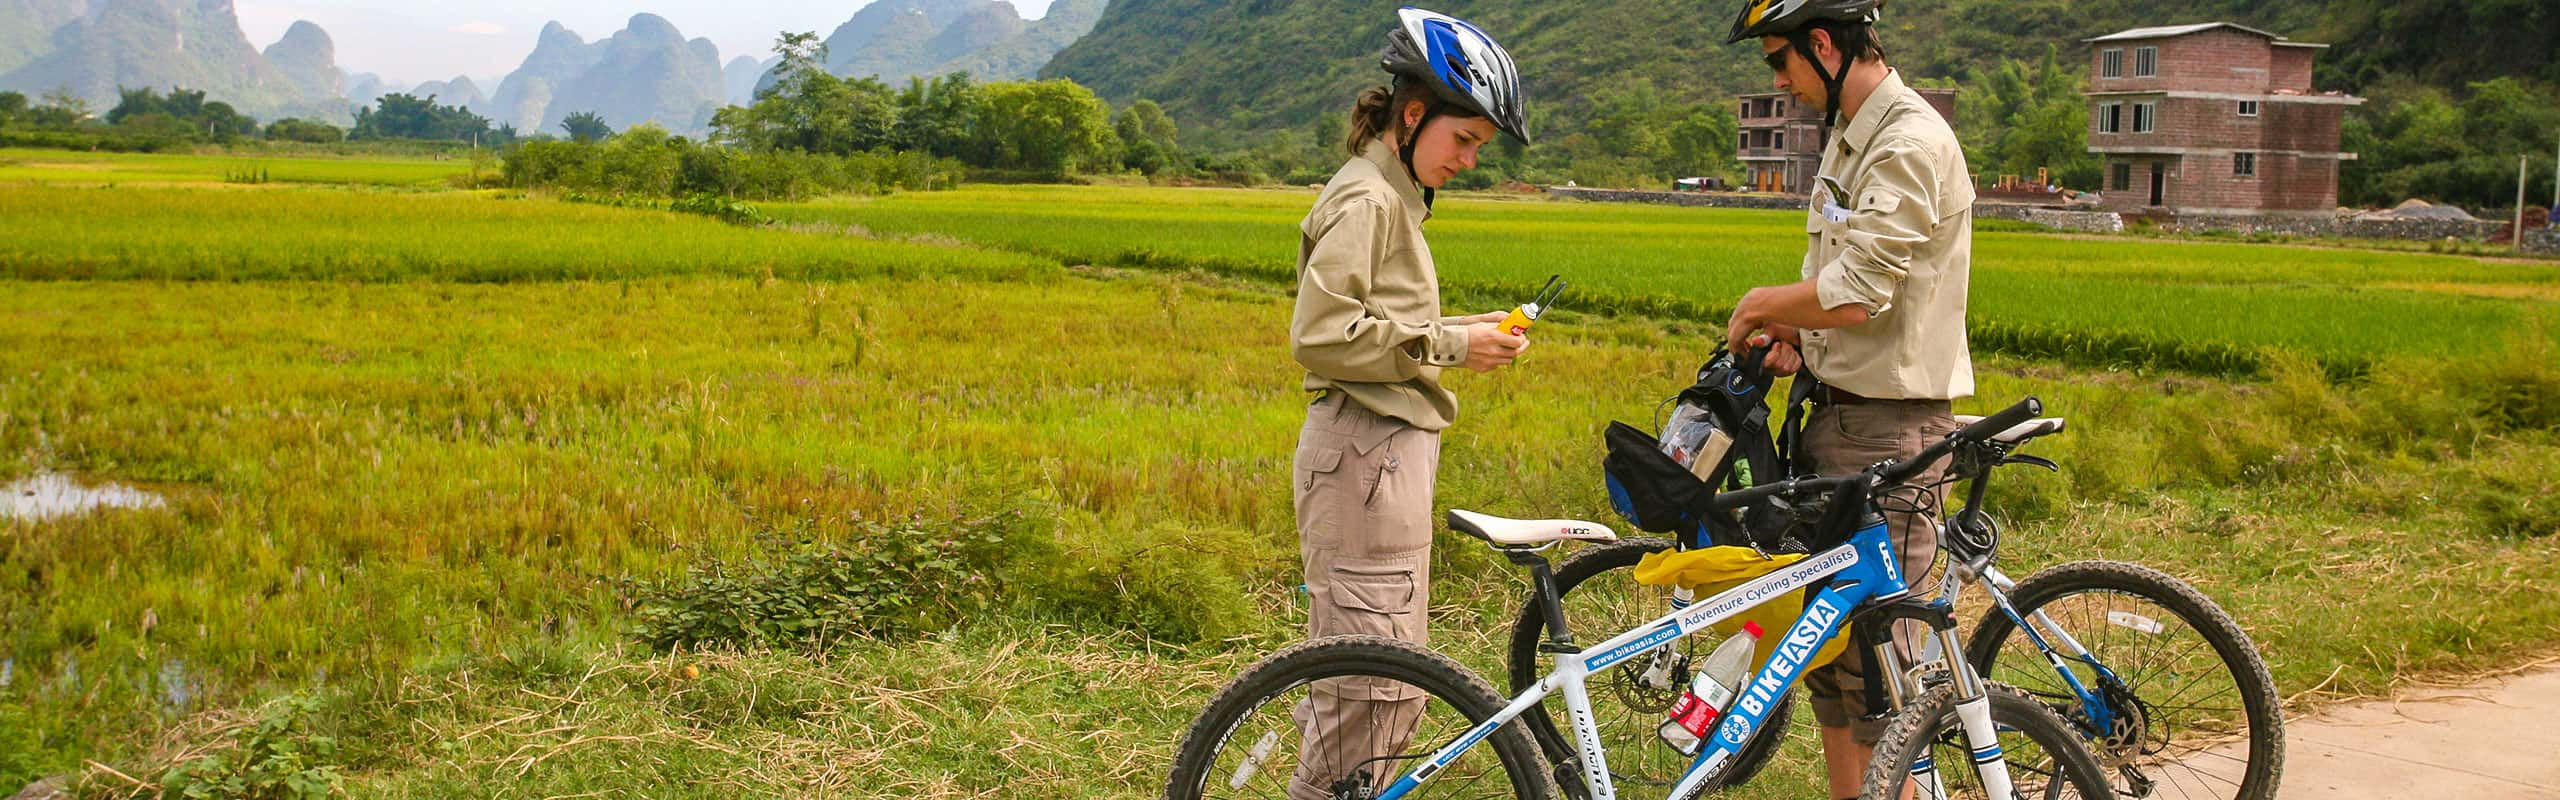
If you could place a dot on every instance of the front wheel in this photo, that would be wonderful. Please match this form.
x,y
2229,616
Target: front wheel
x,y
2183,706
1925,745
1630,701
1252,742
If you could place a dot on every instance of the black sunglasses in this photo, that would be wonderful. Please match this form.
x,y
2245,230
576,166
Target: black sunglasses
x,y
1777,59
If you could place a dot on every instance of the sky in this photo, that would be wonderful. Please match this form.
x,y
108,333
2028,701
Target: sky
x,y
410,42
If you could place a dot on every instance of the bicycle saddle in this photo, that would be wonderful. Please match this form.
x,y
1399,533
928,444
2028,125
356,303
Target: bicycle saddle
x,y
1501,532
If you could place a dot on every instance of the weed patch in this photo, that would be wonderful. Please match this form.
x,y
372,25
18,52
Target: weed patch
x,y
885,581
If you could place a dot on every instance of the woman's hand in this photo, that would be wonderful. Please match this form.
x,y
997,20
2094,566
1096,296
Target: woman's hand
x,y
1489,348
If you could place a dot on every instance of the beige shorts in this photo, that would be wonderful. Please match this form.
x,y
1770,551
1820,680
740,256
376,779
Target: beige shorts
x,y
1840,439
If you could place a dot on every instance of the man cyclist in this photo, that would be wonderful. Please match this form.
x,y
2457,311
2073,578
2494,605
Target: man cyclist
x,y
1879,316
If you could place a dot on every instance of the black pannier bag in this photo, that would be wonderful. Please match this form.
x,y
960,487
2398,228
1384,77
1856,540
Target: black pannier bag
x,y
1656,493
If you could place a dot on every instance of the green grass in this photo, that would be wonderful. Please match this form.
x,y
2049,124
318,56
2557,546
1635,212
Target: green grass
x,y
70,167
368,479
413,443
57,232
2206,306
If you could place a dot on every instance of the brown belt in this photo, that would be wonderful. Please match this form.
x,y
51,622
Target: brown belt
x,y
1832,396
1828,395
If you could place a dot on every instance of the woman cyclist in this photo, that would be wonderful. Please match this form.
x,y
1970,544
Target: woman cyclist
x,y
1368,330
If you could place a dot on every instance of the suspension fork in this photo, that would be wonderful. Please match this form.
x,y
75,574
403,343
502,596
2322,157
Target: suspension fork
x,y
1973,700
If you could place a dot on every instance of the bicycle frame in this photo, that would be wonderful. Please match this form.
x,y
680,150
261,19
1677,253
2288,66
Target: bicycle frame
x,y
2040,631
1860,573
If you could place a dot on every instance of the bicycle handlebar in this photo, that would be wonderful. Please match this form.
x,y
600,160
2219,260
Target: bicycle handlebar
x,y
2010,417
1891,473
1899,472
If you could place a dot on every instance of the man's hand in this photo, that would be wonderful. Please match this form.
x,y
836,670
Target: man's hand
x,y
1746,319
1489,316
1783,359
1489,348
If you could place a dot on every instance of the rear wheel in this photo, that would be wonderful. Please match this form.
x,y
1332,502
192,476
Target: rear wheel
x,y
2189,711
1249,742
1630,701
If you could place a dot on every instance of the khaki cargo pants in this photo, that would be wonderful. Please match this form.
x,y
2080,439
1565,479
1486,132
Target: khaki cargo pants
x,y
1844,438
1363,490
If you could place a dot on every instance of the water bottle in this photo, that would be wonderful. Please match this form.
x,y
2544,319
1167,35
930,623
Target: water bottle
x,y
1711,691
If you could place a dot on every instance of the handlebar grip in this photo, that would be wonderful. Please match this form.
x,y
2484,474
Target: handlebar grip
x,y
2008,418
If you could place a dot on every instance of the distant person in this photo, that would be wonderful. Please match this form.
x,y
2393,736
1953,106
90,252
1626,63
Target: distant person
x,y
1879,316
1368,330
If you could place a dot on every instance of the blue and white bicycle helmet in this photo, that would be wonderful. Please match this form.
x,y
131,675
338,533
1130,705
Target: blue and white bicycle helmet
x,y
1461,64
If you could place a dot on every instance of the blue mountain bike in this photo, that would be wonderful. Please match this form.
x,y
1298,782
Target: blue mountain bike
x,y
1372,718
2168,690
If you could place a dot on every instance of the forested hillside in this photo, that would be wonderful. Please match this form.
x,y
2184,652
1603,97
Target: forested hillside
x,y
1607,75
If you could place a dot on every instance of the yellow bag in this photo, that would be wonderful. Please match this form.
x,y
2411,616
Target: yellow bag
x,y
1709,570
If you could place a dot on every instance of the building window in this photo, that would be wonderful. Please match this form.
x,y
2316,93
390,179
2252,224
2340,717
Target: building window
x,y
2144,114
1746,108
2244,165
2124,176
2146,62
1778,140
2248,108
2111,64
2111,118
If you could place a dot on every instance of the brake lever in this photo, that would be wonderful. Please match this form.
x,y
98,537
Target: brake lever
x,y
2031,461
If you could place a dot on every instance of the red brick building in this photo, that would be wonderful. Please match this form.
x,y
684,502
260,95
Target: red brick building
x,y
1781,142
2213,118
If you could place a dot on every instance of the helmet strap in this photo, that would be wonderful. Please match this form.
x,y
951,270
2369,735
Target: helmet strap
x,y
1413,137
1802,40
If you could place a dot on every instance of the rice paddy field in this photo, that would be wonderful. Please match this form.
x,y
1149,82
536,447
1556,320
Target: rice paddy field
x,y
423,454
19,165
2104,302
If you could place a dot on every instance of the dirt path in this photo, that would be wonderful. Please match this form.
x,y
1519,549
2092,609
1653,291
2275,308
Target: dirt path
x,y
2493,739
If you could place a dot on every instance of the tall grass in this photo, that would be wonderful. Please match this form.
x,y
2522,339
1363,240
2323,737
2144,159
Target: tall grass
x,y
366,477
414,446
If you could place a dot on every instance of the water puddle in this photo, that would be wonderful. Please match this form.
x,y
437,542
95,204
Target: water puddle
x,y
47,495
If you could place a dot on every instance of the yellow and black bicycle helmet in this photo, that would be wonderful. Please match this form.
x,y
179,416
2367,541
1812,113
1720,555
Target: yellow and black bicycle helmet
x,y
1781,17
1789,18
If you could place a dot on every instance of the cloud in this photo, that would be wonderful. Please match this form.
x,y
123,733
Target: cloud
x,y
478,29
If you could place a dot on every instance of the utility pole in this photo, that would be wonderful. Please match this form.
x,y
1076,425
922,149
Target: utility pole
x,y
2521,163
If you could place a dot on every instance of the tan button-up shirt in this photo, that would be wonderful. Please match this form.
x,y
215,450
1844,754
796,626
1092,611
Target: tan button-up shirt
x,y
1892,231
1368,317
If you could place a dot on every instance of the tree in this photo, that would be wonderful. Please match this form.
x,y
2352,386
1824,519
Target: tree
x,y
403,116
1701,143
13,106
1630,123
1147,138
304,130
59,109
182,114
2414,140
586,126
1052,127
809,110
936,117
